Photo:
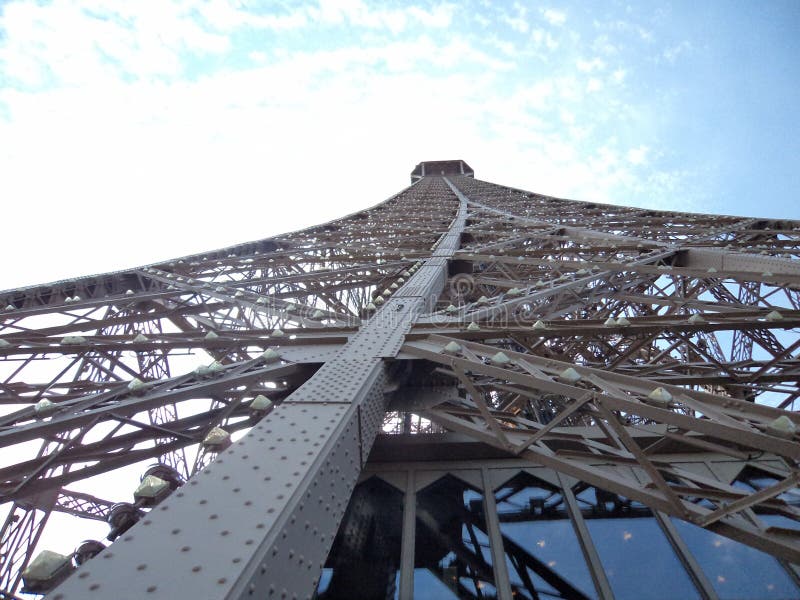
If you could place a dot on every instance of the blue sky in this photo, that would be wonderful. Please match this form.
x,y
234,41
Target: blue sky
x,y
135,131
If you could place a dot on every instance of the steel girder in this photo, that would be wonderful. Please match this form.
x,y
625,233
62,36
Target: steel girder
x,y
360,311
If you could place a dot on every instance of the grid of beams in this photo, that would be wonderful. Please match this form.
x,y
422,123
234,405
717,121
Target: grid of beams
x,y
557,331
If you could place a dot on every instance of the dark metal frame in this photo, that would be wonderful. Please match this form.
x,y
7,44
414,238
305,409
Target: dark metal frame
x,y
391,318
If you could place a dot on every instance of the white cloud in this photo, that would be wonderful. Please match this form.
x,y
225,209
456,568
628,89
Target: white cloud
x,y
553,16
594,85
587,66
517,24
544,39
672,53
133,146
618,76
638,156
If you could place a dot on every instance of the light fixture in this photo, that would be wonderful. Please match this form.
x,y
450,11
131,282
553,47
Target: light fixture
x,y
217,439
782,427
44,407
136,385
260,403
151,490
660,396
270,356
452,348
46,571
501,359
571,375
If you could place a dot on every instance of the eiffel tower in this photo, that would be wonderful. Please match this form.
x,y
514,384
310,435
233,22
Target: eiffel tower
x,y
465,391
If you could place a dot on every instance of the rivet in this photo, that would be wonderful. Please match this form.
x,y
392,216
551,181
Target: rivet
x,y
196,568
141,567
151,589
94,586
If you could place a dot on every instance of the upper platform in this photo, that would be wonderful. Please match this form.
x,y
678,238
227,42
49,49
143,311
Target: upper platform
x,y
441,167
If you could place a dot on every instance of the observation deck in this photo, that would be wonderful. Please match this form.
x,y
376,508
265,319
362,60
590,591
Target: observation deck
x,y
441,167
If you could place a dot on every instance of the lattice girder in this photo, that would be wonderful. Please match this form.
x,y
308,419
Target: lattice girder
x,y
704,308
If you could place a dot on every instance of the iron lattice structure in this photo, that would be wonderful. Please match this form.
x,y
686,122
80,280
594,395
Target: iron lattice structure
x,y
590,339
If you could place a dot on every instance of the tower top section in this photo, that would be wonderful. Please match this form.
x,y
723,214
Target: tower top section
x,y
441,167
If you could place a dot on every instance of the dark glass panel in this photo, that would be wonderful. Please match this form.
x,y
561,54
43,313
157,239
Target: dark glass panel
x,y
637,557
364,561
543,556
736,571
452,558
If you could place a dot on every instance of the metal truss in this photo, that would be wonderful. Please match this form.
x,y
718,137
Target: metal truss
x,y
573,335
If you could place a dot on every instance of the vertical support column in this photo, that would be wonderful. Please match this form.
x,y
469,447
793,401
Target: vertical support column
x,y
501,581
408,539
685,556
589,551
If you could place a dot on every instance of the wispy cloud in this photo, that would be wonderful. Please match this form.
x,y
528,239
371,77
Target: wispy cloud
x,y
553,16
167,114
638,155
587,66
672,53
